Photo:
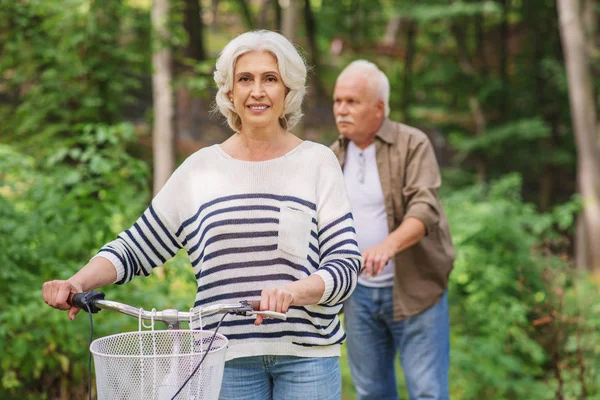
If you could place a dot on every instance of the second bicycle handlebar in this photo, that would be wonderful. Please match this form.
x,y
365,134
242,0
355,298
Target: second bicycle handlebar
x,y
94,301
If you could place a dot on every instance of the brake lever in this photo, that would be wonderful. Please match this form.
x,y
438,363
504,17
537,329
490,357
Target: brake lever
x,y
245,308
251,308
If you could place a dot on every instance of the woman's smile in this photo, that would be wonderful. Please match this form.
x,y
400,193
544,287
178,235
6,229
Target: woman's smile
x,y
258,108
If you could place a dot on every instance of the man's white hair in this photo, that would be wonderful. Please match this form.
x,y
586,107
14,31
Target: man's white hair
x,y
370,71
292,70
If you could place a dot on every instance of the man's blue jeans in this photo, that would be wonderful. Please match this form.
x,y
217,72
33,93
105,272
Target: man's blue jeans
x,y
374,339
282,378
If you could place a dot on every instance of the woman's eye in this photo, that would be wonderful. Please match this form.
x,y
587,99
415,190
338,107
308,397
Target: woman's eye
x,y
271,79
244,79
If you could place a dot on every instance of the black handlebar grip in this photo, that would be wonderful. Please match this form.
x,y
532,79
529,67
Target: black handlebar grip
x,y
87,300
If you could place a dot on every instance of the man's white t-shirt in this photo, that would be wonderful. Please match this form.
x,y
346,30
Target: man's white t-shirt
x,y
368,207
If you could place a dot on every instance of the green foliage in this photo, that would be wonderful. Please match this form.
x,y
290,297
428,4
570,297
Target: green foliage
x,y
433,12
54,216
509,147
568,329
479,76
359,23
492,286
506,279
200,81
494,140
66,63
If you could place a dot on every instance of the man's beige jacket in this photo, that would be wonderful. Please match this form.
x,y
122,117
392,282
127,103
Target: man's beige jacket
x,y
410,179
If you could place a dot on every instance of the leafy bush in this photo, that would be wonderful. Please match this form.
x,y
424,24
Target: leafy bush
x,y
68,62
505,284
54,217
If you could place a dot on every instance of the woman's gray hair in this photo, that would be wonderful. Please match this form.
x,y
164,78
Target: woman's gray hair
x,y
292,70
370,71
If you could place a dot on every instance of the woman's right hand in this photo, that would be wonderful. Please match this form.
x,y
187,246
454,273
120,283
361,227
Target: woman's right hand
x,y
57,294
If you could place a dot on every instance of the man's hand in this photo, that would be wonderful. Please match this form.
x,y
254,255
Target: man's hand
x,y
57,294
274,299
375,258
410,231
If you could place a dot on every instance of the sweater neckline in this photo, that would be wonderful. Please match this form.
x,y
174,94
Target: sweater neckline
x,y
289,153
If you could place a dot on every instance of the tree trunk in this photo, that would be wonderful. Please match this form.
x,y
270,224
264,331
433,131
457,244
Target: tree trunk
x,y
248,21
263,17
162,135
583,114
408,64
466,65
504,53
188,107
192,23
311,33
539,20
356,25
480,127
278,15
392,31
214,11
480,44
106,18
289,16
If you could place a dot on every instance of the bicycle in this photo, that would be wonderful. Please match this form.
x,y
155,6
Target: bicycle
x,y
161,364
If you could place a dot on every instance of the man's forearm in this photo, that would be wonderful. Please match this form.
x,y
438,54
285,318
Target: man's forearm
x,y
410,232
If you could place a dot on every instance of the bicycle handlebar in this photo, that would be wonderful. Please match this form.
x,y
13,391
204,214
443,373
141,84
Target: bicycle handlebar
x,y
95,302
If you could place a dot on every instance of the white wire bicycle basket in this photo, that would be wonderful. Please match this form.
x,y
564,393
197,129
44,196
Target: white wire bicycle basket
x,y
156,364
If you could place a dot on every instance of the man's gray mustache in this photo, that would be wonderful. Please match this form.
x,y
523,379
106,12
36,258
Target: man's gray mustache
x,y
344,119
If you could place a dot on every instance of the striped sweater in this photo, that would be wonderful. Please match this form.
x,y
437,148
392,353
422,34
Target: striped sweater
x,y
248,226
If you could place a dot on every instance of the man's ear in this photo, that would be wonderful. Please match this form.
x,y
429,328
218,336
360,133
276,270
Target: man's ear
x,y
381,108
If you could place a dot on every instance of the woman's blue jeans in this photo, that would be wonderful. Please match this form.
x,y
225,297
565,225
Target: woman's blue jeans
x,y
282,378
374,339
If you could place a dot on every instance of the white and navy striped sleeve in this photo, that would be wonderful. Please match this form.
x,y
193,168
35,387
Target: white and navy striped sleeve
x,y
340,258
152,239
137,250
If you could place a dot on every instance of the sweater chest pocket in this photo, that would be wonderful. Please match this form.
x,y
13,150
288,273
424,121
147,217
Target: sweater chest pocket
x,y
294,232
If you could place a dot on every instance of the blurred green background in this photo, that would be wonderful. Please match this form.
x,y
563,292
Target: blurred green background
x,y
490,82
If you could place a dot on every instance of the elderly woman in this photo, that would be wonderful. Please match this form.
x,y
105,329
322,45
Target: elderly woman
x,y
264,215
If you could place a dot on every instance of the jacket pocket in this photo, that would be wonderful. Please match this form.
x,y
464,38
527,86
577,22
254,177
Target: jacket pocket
x,y
294,232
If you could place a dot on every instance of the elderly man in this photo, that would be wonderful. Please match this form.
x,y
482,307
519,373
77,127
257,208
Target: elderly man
x,y
400,303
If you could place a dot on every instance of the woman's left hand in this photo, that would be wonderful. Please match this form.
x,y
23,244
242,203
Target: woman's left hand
x,y
274,299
